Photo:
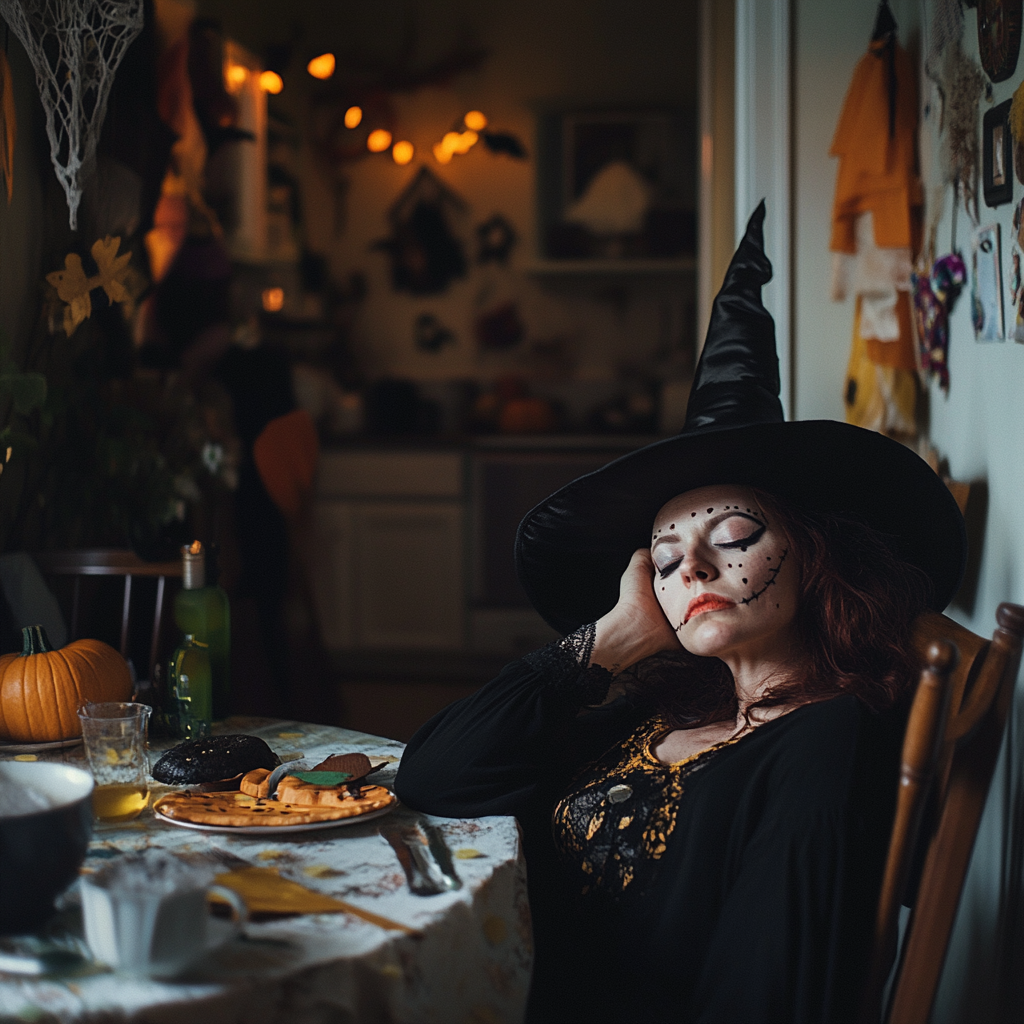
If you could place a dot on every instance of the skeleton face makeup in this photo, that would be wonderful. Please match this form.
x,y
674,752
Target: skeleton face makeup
x,y
725,577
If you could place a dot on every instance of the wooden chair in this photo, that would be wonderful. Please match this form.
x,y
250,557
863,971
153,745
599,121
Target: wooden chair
x,y
112,562
949,753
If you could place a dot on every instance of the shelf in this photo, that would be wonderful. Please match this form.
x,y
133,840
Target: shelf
x,y
613,268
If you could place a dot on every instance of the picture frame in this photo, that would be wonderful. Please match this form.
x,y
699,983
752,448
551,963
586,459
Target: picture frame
x,y
987,289
997,156
654,150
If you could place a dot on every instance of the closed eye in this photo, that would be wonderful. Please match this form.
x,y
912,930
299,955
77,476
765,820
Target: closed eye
x,y
670,568
744,542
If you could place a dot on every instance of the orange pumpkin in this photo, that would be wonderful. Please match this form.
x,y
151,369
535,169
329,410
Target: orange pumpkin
x,y
42,689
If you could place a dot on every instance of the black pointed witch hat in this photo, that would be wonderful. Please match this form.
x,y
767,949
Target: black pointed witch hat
x,y
572,548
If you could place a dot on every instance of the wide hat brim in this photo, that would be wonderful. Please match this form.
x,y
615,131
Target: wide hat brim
x,y
572,548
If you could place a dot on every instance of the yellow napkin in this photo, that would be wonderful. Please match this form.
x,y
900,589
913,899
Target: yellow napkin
x,y
266,892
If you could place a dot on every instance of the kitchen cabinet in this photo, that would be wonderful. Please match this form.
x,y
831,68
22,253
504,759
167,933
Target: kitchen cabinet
x,y
410,550
387,550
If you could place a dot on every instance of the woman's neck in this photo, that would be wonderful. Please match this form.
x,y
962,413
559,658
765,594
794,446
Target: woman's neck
x,y
756,672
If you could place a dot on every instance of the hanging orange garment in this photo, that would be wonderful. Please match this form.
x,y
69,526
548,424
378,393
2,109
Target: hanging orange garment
x,y
879,396
898,354
878,171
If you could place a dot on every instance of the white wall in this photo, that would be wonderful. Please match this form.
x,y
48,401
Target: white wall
x,y
979,427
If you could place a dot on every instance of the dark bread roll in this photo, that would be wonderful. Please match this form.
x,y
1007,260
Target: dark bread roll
x,y
213,758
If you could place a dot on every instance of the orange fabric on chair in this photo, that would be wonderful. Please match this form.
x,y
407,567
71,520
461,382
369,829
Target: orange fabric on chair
x,y
286,453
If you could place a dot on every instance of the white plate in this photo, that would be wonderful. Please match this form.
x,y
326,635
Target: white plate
x,y
36,748
276,830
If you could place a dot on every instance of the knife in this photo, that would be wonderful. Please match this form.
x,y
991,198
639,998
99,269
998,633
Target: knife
x,y
442,855
426,861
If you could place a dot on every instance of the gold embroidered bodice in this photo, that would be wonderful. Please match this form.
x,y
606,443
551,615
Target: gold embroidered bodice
x,y
615,822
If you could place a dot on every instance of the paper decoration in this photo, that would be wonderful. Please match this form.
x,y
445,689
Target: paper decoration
x,y
987,290
74,287
935,293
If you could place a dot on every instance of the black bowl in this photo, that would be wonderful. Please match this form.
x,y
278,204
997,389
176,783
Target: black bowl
x,y
41,851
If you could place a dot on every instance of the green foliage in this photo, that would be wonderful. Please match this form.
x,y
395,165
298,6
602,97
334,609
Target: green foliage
x,y
26,390
103,454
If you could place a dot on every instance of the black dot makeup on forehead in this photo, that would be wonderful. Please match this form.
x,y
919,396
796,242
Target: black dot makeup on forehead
x,y
710,510
730,565
693,513
673,526
744,579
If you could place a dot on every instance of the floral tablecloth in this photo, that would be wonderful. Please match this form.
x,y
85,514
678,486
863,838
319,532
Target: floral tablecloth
x,y
468,959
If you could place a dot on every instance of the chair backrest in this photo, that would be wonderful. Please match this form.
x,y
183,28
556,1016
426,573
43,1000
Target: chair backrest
x,y
949,753
112,562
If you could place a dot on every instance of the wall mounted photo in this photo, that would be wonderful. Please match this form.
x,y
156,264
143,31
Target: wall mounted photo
x,y
997,156
617,185
987,285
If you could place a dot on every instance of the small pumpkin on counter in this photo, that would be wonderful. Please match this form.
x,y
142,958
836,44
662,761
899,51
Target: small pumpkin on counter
x,y
42,689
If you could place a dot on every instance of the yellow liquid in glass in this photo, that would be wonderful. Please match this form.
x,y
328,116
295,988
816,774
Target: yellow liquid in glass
x,y
119,802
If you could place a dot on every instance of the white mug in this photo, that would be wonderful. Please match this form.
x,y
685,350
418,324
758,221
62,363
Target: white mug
x,y
152,933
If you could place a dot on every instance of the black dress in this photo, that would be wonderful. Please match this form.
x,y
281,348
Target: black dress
x,y
737,886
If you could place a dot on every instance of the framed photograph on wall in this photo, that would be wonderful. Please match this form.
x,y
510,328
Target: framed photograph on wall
x,y
987,290
997,156
617,185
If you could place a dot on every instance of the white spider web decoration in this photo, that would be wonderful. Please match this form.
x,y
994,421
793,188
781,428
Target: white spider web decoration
x,y
75,47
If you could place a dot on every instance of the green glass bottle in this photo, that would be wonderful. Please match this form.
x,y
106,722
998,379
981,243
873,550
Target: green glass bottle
x,y
201,608
191,684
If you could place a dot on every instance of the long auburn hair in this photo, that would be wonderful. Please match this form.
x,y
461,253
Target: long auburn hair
x,y
857,605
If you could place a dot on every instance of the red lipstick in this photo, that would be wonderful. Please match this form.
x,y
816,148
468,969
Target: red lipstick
x,y
707,603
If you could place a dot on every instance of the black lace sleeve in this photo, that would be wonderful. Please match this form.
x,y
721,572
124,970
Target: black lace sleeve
x,y
497,751
566,663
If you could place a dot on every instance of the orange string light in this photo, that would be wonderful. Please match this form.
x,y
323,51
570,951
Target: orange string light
x,y
322,67
272,82
467,140
353,116
402,152
378,140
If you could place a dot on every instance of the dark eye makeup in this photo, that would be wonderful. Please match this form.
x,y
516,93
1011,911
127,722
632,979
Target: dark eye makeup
x,y
670,568
740,543
744,542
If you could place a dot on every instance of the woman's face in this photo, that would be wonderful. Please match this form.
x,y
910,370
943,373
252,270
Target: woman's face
x,y
727,579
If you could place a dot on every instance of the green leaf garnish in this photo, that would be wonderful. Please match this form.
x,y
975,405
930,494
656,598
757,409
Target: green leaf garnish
x,y
322,778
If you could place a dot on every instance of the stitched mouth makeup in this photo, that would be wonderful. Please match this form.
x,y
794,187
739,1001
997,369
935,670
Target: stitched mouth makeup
x,y
706,603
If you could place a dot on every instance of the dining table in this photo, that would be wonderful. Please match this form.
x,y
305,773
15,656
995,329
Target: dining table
x,y
375,951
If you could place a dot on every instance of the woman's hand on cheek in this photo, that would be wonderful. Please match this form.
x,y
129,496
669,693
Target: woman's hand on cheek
x,y
636,627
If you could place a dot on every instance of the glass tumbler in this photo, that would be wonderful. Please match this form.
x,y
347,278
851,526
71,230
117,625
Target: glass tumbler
x,y
115,745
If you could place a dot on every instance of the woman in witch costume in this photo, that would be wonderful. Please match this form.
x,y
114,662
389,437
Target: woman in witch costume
x,y
705,765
